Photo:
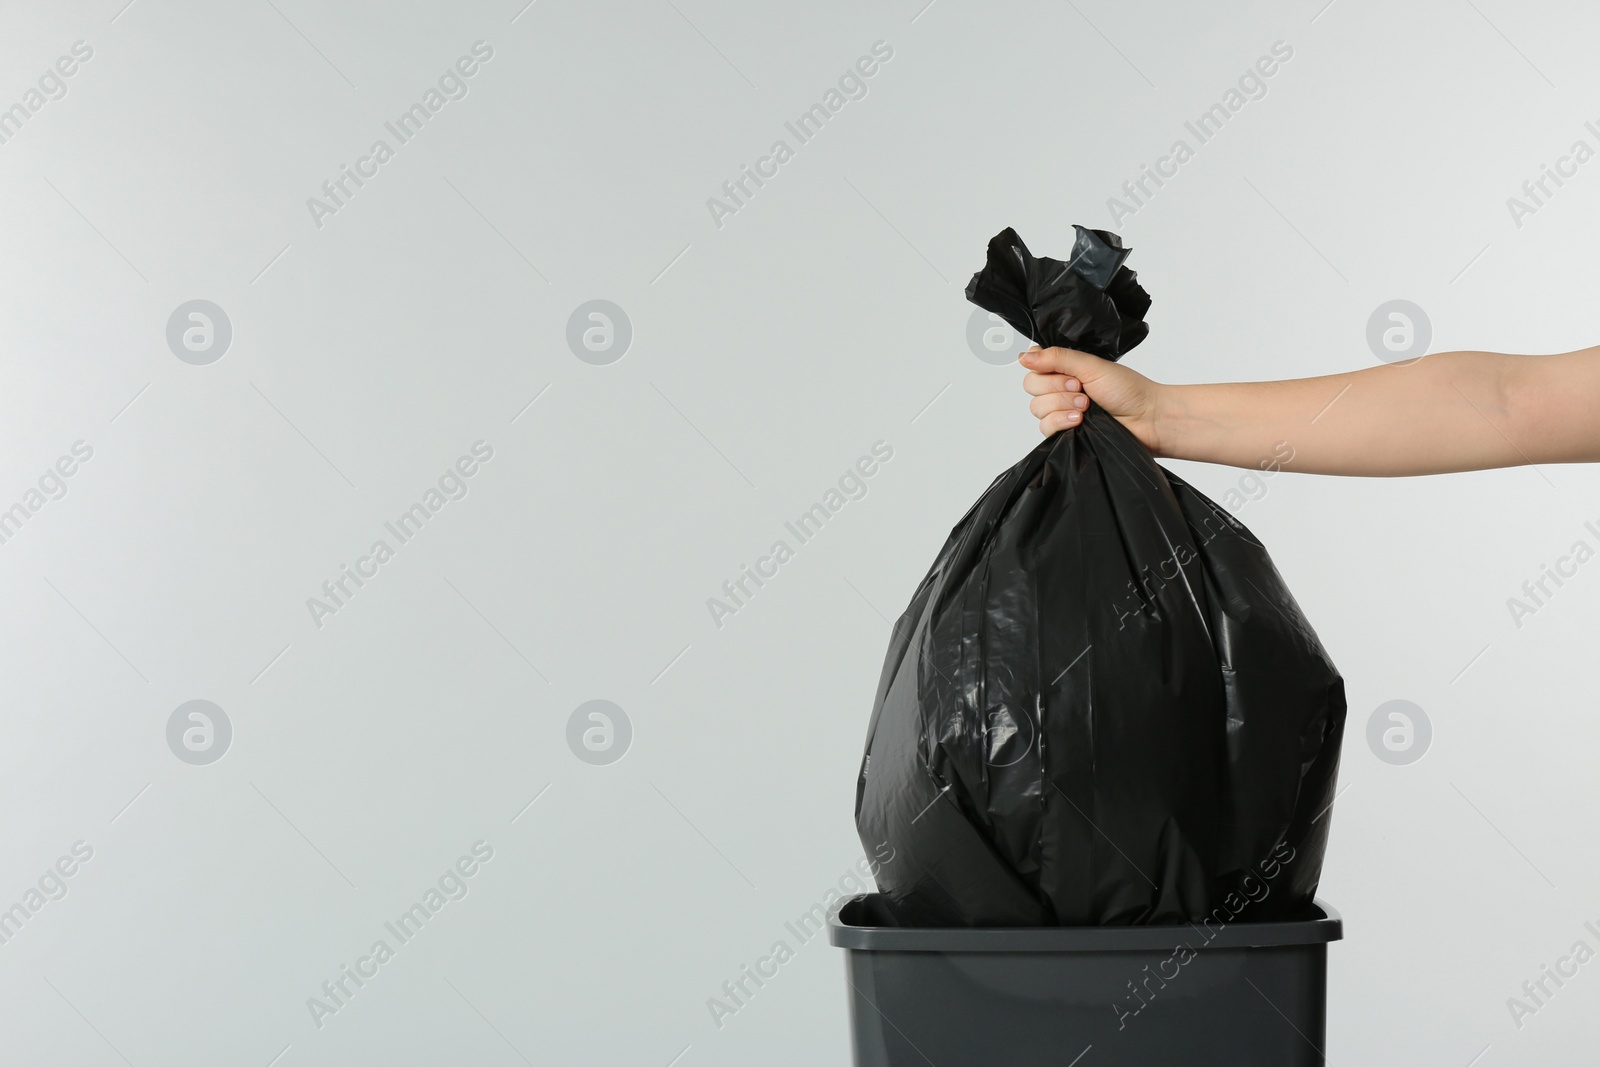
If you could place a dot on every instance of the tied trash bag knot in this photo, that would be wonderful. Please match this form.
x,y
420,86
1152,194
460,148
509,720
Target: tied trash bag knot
x,y
1091,302
1103,705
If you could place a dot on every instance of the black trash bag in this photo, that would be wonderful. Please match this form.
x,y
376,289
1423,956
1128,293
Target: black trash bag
x,y
1103,706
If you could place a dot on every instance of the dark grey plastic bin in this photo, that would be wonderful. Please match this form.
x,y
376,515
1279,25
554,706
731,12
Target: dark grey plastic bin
x,y
1213,994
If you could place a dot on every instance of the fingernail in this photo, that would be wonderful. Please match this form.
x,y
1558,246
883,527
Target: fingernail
x,y
1080,402
1073,416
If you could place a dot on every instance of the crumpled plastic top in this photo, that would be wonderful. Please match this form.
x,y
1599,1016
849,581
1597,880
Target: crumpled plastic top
x,y
1091,302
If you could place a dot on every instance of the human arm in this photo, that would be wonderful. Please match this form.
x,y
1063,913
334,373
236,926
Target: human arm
x,y
1453,411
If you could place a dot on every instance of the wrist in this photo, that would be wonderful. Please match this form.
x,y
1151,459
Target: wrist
x,y
1166,421
1184,425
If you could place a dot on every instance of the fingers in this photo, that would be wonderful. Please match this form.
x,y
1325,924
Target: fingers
x,y
1055,381
1037,384
1054,402
1057,421
1059,361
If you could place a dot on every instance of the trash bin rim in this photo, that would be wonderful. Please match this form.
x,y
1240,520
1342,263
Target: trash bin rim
x,y
1325,926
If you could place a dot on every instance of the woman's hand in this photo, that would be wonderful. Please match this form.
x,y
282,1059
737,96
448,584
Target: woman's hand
x,y
1064,381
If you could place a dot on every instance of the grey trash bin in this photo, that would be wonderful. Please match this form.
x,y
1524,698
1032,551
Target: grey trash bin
x,y
1213,994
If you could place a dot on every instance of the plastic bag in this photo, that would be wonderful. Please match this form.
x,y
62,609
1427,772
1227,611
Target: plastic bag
x,y
1102,706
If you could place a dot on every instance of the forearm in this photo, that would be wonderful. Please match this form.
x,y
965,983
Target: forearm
x,y
1452,411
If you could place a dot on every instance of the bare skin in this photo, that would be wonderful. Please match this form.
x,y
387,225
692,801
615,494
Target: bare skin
x,y
1453,411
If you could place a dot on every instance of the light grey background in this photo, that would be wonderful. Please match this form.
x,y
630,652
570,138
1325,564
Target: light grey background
x,y
767,355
